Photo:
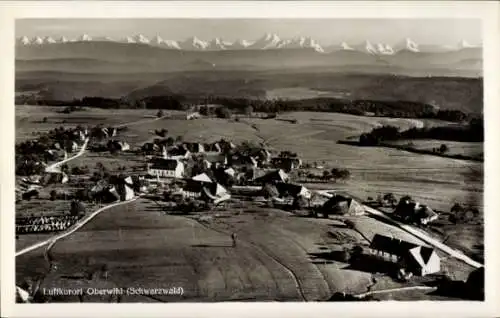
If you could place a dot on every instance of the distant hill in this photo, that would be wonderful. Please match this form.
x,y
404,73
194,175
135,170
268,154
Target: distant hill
x,y
464,94
114,57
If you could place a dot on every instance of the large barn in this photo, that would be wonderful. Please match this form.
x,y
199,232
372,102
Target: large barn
x,y
418,259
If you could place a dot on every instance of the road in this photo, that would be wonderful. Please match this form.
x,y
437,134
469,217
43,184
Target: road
x,y
55,166
423,236
52,240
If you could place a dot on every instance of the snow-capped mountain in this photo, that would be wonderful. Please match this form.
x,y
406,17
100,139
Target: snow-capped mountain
x,y
465,45
37,40
193,44
240,44
216,44
139,38
268,41
85,38
301,42
49,39
24,40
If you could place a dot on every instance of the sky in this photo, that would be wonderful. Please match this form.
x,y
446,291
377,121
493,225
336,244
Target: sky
x,y
326,31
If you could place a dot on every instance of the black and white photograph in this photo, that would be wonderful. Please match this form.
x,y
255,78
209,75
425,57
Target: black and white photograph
x,y
227,159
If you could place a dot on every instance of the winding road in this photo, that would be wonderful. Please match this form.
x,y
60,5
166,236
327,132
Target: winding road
x,y
52,240
55,166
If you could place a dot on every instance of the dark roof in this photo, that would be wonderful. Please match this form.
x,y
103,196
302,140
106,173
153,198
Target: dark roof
x,y
391,245
291,189
273,176
426,253
164,164
193,186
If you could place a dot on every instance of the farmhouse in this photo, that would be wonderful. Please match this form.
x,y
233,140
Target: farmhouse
x,y
420,260
166,168
339,204
194,115
178,153
293,190
412,211
194,147
286,163
126,189
276,176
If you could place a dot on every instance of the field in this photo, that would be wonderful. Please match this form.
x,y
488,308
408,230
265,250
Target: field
x,y
472,149
292,93
279,256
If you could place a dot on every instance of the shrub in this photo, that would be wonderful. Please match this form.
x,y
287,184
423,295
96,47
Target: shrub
x,y
350,224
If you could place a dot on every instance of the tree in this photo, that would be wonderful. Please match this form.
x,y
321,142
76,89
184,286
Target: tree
x,y
456,209
77,208
299,203
270,191
327,175
443,148
390,198
44,120
223,112
159,113
53,195
248,110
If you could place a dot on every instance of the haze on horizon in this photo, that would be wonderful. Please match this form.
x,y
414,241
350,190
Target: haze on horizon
x,y
326,31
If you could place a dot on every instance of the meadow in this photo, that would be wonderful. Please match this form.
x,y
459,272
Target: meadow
x,y
278,256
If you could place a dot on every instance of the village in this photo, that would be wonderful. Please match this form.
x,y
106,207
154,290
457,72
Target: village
x,y
190,177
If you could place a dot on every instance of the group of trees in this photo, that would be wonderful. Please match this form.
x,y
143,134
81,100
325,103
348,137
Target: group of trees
x,y
463,214
473,132
334,174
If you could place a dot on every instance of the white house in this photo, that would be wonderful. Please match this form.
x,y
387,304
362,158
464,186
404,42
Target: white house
x,y
166,168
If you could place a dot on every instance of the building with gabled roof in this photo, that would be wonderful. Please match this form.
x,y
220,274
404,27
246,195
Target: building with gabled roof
x,y
166,168
415,258
275,176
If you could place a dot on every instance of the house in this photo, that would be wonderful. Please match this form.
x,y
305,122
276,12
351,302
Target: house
x,y
216,193
194,115
276,176
294,190
166,168
53,155
213,147
203,177
411,211
230,171
55,177
123,146
192,189
194,147
342,205
126,189
216,158
237,160
104,192
179,153
286,163
420,260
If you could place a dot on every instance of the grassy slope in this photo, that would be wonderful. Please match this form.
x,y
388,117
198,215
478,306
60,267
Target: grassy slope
x,y
145,248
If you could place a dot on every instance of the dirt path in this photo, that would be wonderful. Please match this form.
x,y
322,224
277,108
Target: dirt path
x,y
52,240
55,166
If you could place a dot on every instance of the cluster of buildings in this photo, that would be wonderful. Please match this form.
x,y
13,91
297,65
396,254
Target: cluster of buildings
x,y
411,211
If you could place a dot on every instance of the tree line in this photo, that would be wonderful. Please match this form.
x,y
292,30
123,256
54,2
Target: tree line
x,y
381,108
472,132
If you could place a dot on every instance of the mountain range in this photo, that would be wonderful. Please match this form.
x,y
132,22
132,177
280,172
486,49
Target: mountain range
x,y
267,42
